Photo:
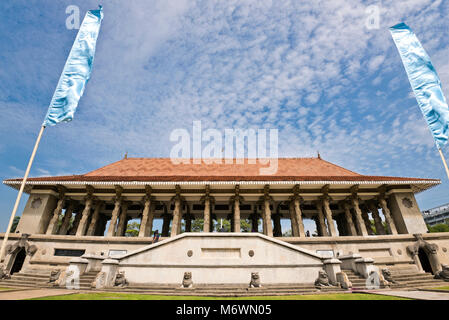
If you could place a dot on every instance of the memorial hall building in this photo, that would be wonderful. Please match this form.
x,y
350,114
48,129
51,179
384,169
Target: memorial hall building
x,y
363,224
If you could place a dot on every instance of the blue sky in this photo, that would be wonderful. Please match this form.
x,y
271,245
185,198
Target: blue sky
x,y
313,71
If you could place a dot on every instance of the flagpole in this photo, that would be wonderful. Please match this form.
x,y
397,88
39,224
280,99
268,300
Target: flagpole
x,y
22,187
444,161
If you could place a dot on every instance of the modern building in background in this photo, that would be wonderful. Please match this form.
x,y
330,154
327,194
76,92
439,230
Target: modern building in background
x,y
436,215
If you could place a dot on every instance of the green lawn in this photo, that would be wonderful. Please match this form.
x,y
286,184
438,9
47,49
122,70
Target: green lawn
x,y
125,296
4,289
441,288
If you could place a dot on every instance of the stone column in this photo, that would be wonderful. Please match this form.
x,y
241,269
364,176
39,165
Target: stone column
x,y
321,222
327,211
377,220
146,223
53,224
298,216
115,213
236,219
293,221
358,214
166,224
123,221
341,226
389,221
101,225
76,223
267,220
176,217
254,217
277,230
95,218
348,216
81,230
188,219
67,217
366,221
206,226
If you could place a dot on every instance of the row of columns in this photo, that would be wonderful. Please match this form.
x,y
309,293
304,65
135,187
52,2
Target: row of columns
x,y
354,221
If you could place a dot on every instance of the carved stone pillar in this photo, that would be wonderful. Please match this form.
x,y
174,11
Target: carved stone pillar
x,y
389,221
254,217
327,211
298,216
166,224
358,215
76,223
366,221
293,221
53,224
95,217
117,204
188,220
207,219
236,214
348,217
277,230
146,223
67,217
321,222
377,220
123,220
267,211
81,230
176,223
268,225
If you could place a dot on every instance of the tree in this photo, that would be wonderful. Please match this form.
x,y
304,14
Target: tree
x,y
441,227
15,222
132,230
287,233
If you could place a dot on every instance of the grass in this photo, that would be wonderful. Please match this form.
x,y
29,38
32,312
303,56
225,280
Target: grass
x,y
5,289
446,288
127,296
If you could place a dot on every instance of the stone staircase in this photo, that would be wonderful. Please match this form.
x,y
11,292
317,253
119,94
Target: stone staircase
x,y
32,278
224,290
406,279
86,280
39,278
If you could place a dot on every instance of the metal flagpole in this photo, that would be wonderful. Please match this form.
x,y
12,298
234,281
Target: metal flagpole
x,y
16,205
444,161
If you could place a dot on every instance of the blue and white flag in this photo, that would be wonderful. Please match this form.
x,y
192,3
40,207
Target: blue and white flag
x,y
76,71
424,81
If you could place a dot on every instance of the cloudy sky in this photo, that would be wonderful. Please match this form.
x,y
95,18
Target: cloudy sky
x,y
320,73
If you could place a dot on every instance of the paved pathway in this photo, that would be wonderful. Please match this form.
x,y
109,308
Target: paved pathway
x,y
32,293
416,294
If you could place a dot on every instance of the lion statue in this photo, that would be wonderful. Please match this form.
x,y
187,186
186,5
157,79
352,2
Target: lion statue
x,y
387,275
120,280
443,274
3,273
187,280
322,280
255,280
54,276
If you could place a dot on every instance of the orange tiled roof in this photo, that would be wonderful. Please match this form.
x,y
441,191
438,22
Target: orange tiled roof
x,y
162,169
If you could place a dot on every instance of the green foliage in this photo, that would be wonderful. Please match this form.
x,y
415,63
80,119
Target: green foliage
x,y
442,227
197,225
132,230
287,233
